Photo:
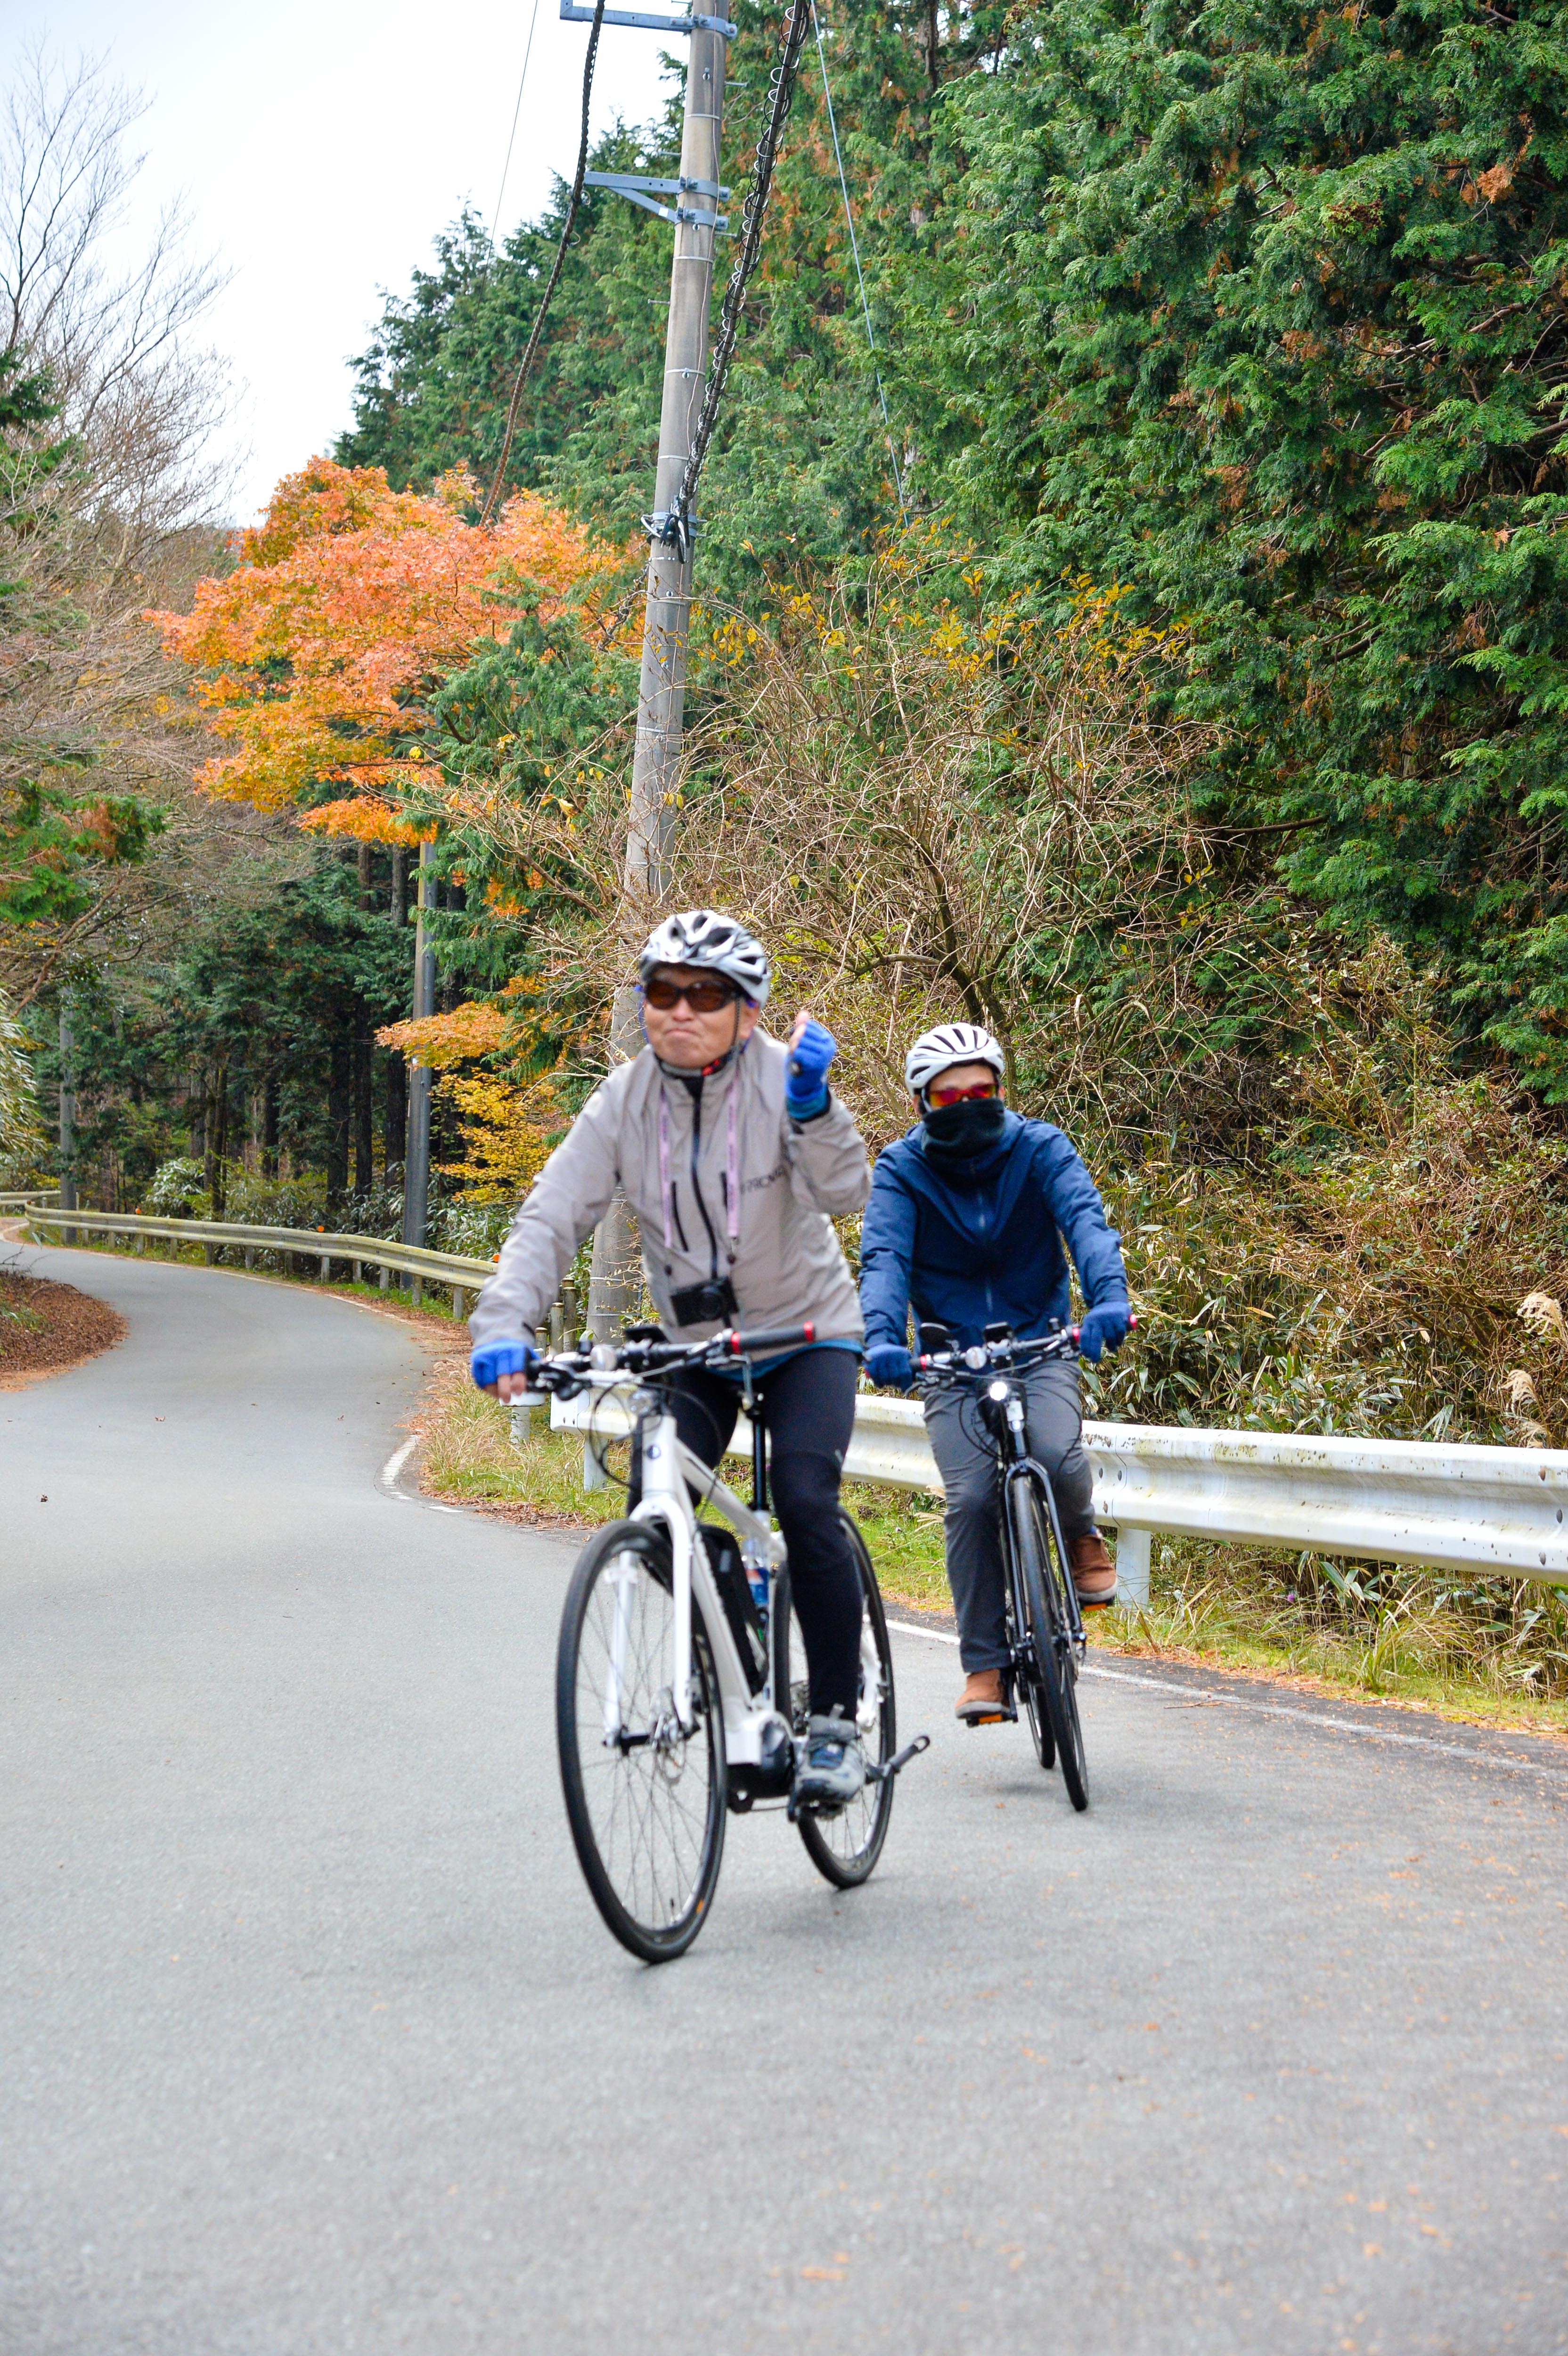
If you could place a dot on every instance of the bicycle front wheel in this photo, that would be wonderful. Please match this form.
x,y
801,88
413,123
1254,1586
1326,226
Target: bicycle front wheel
x,y
645,1795
1051,1664
844,1847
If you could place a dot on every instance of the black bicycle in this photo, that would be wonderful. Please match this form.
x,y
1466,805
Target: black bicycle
x,y
1045,1629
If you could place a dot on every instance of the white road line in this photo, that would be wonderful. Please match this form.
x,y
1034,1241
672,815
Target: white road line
x,y
1282,1710
913,1627
394,1465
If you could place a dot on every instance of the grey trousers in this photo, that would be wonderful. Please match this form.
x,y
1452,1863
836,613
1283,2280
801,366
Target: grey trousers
x,y
1054,1425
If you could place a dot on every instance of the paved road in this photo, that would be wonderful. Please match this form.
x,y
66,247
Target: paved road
x,y
310,2042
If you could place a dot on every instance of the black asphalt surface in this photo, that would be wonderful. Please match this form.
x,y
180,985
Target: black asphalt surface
x,y
310,2042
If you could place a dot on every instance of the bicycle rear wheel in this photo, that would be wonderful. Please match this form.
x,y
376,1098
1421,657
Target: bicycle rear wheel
x,y
1050,1671
845,1846
645,1798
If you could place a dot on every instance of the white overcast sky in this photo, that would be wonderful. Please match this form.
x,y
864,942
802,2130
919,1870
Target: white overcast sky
x,y
321,144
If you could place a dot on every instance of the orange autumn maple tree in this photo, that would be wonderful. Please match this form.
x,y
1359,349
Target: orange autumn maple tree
x,y
317,656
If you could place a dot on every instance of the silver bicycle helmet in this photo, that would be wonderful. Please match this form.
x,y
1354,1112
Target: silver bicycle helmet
x,y
702,937
950,1043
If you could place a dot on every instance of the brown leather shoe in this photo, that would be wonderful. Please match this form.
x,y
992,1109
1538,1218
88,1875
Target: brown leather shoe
x,y
1094,1572
982,1702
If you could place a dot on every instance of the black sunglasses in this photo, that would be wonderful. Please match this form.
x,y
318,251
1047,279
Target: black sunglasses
x,y
702,997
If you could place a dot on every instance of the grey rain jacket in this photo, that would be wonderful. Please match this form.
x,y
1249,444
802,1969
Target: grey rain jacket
x,y
784,1262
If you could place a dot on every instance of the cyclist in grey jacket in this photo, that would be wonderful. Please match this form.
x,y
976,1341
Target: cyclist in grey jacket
x,y
735,1157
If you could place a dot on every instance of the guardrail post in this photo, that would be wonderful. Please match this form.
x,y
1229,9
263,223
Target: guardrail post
x,y
249,1255
556,1324
416,1291
459,1302
592,1471
1133,1565
522,1420
358,1267
385,1278
209,1255
326,1267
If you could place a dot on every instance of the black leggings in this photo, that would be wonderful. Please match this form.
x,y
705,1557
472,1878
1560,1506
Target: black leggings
x,y
809,1402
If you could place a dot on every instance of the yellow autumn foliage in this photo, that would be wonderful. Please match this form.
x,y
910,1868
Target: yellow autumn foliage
x,y
509,1133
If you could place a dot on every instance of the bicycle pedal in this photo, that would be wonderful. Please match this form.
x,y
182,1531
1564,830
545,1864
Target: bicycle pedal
x,y
996,1718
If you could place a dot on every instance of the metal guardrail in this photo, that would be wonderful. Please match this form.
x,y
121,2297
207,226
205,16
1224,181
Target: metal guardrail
x,y
1490,1512
463,1276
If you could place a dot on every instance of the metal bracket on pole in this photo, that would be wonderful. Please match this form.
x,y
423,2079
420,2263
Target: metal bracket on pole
x,y
633,186
676,529
570,14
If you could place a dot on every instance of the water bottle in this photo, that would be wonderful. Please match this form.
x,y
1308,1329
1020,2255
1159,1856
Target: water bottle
x,y
757,1581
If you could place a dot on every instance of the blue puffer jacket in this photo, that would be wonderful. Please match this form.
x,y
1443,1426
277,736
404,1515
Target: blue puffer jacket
x,y
982,1240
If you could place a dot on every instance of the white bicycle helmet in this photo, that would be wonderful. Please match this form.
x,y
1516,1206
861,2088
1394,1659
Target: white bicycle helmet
x,y
950,1043
702,937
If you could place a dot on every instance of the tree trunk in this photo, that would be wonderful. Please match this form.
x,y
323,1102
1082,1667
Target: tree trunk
x,y
270,1126
396,1128
216,1138
340,1075
364,1106
365,887
399,892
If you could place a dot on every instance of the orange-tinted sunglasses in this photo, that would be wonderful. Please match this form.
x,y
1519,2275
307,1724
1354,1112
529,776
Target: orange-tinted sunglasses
x,y
975,1093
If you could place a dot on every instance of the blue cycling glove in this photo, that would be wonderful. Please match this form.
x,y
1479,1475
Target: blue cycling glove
x,y
1105,1327
889,1366
491,1360
805,1082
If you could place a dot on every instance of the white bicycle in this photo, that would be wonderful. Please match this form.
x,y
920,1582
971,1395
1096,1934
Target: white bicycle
x,y
681,1680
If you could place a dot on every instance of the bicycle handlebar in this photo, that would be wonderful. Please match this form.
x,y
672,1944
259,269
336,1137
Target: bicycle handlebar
x,y
562,1369
768,1337
988,1357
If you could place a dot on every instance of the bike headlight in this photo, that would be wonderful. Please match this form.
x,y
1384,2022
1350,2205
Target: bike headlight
x,y
997,1391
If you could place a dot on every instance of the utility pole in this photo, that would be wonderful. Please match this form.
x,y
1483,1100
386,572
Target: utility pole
x,y
617,1283
416,1165
67,1117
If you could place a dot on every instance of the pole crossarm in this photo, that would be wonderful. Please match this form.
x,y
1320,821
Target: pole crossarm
x,y
642,21
640,191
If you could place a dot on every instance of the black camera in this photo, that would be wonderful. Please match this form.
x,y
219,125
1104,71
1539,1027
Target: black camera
x,y
705,1305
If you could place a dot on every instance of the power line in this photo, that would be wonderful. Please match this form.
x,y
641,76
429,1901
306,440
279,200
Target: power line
x,y
855,249
517,114
515,405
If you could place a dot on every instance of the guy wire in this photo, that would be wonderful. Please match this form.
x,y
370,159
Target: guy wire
x,y
678,524
569,223
516,115
855,249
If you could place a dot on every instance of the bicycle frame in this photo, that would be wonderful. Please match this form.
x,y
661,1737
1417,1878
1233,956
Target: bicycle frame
x,y
668,1465
1011,1468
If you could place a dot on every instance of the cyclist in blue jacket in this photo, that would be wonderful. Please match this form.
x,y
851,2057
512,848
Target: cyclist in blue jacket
x,y
966,1223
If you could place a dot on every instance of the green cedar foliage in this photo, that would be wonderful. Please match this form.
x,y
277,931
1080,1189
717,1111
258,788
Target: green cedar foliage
x,y
1261,311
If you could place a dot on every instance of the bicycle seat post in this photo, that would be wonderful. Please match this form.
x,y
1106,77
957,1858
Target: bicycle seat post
x,y
753,1407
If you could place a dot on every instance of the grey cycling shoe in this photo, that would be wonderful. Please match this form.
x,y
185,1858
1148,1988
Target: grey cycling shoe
x,y
834,1768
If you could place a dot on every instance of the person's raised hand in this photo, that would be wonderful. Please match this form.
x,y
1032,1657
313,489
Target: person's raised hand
x,y
811,1048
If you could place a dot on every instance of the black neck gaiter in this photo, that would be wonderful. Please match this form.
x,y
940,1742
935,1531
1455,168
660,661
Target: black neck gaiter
x,y
957,1133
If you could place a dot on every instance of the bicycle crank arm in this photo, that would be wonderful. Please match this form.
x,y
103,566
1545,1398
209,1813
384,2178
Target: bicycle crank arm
x,y
900,1760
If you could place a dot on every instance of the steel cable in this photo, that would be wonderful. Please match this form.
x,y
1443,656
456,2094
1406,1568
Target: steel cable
x,y
676,527
515,405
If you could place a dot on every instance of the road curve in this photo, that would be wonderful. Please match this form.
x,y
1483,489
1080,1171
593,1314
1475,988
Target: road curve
x,y
313,2043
